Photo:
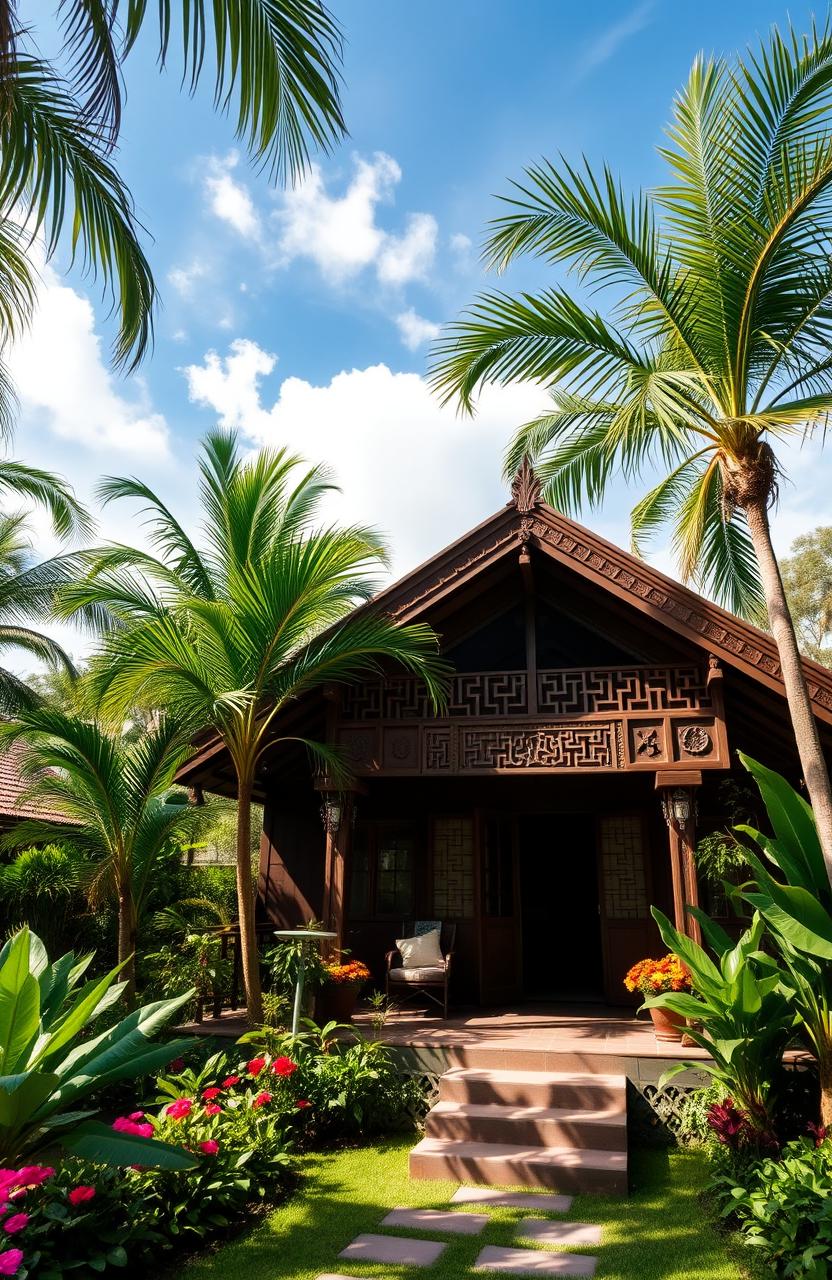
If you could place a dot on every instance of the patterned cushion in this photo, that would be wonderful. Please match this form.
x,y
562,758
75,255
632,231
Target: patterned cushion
x,y
428,973
420,951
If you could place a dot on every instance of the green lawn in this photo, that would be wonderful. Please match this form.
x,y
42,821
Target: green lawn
x,y
659,1233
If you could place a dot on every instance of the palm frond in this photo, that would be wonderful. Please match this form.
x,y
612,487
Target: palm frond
x,y
49,153
277,60
89,31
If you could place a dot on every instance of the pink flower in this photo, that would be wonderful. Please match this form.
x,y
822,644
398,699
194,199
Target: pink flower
x,y
179,1109
255,1066
32,1175
302,1104
261,1099
125,1125
284,1067
178,1064
17,1222
136,1115
209,1148
208,1095
79,1195
211,1109
230,1081
10,1261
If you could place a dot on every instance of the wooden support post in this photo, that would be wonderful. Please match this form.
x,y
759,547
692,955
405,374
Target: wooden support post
x,y
678,797
338,812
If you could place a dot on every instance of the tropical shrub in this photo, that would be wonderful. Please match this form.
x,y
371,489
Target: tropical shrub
x,y
43,888
350,1087
784,1208
48,1069
795,900
196,962
740,1011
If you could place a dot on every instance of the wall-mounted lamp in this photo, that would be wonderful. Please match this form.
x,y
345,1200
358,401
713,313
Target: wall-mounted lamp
x,y
676,807
331,814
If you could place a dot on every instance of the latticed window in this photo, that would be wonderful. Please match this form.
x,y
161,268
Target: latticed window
x,y
622,863
394,894
453,868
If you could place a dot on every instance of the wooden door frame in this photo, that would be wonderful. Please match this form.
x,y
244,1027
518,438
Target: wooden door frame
x,y
482,815
647,862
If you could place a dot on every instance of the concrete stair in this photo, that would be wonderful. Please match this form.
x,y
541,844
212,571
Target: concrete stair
x,y
565,1131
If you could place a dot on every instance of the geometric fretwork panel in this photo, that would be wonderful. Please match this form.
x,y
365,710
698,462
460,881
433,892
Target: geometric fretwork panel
x,y
589,692
569,746
453,868
622,866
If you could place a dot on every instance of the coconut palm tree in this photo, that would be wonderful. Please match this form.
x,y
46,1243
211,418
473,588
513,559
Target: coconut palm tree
x,y
230,632
109,801
275,69
714,350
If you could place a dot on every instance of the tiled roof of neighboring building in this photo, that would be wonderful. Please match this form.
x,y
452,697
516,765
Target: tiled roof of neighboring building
x,y
13,785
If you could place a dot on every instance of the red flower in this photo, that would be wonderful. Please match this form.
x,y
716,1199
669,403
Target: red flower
x,y
819,1132
179,1109
125,1125
178,1064
10,1261
211,1109
17,1222
208,1095
79,1195
136,1115
284,1067
230,1081
302,1104
209,1148
261,1099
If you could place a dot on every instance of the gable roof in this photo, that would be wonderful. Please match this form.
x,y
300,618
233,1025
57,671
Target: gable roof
x,y
528,522
12,787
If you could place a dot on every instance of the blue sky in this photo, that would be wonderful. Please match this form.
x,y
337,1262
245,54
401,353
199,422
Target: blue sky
x,y
303,317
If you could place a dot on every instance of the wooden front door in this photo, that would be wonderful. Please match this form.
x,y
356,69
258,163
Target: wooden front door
x,y
626,894
500,950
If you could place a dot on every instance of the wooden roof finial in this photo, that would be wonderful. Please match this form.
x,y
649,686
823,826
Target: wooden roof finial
x,y
525,488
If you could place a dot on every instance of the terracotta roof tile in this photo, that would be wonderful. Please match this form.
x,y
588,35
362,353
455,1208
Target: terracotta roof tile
x,y
12,786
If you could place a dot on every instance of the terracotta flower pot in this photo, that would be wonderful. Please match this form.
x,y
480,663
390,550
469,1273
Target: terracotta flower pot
x,y
337,1000
667,1025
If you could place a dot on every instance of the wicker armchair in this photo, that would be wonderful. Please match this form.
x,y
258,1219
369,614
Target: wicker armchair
x,y
432,981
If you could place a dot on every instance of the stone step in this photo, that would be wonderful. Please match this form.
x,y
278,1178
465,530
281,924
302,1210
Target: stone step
x,y
393,1250
532,1262
508,1164
534,1126
533,1088
544,1231
446,1221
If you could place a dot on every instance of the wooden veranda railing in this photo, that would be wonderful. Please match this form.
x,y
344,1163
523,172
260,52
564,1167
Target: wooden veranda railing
x,y
234,996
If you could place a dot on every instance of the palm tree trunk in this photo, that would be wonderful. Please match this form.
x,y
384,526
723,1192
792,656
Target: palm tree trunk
x,y
127,942
245,904
813,764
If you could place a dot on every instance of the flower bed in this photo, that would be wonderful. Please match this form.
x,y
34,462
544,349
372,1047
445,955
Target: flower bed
x,y
240,1119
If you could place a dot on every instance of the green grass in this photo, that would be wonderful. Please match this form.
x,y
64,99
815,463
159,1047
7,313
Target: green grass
x,y
659,1233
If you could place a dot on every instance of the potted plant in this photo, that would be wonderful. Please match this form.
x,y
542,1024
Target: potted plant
x,y
342,985
651,978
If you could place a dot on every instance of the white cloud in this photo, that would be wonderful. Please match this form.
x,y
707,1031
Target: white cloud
x,y
228,199
340,234
64,383
418,471
460,243
183,279
410,256
415,329
607,44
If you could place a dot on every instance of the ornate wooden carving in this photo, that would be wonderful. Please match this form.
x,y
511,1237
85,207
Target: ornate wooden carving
x,y
525,488
600,719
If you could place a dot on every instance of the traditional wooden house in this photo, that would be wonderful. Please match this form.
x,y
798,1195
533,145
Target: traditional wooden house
x,y
595,708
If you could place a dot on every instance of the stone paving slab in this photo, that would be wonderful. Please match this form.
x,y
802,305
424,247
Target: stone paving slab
x,y
533,1262
512,1199
546,1232
394,1250
330,1275
462,1224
